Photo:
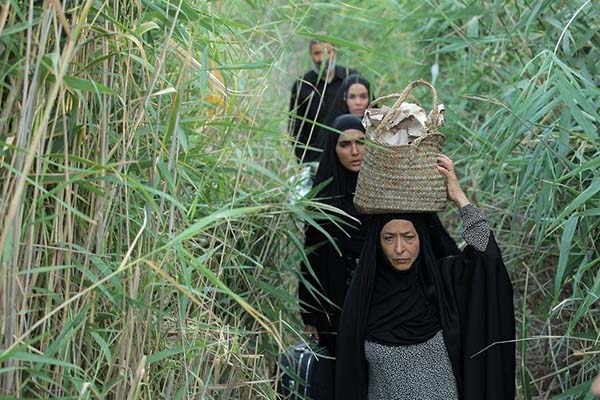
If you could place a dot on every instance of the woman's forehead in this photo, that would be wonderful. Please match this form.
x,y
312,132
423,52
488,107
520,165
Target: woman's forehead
x,y
357,87
398,225
351,134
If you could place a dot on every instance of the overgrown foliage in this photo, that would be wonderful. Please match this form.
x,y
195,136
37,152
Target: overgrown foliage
x,y
150,229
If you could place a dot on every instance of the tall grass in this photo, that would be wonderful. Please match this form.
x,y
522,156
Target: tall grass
x,y
150,238
145,234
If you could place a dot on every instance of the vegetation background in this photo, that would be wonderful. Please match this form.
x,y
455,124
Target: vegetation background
x,y
150,226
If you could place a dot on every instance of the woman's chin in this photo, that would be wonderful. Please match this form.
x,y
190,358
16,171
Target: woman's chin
x,y
402,266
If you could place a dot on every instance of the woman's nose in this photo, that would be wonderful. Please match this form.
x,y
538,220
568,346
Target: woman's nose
x,y
399,247
354,149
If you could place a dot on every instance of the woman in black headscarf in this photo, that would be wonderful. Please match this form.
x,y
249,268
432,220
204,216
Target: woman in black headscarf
x,y
327,277
417,326
356,94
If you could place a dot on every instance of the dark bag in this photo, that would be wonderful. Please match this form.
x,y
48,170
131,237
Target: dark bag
x,y
305,373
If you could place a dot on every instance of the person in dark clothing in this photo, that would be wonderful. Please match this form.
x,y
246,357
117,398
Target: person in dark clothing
x,y
328,276
313,100
420,325
356,94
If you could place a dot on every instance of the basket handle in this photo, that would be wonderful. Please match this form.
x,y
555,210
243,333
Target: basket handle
x,y
394,96
432,117
383,98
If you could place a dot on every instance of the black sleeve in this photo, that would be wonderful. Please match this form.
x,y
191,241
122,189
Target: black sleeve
x,y
484,300
295,109
309,287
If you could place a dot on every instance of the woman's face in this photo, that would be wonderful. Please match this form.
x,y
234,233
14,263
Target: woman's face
x,y
350,149
400,243
357,99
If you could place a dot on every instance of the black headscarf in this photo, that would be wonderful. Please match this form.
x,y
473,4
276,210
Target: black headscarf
x,y
339,192
473,295
351,80
403,309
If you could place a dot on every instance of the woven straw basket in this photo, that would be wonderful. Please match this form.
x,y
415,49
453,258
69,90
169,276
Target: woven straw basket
x,y
401,178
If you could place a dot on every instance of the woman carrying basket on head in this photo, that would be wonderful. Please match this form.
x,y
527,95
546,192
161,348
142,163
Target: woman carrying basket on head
x,y
420,324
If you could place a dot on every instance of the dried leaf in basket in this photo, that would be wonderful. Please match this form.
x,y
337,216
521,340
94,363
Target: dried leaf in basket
x,y
408,122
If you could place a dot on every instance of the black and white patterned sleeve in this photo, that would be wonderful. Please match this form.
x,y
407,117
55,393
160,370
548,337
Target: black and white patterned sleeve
x,y
476,230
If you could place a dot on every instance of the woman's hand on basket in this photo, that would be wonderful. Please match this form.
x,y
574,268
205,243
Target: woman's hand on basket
x,y
455,192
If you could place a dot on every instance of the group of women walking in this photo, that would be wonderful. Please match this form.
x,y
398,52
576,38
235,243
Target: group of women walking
x,y
406,314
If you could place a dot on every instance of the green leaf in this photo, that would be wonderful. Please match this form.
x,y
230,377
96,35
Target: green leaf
x,y
565,250
16,28
86,85
263,64
145,27
41,359
569,92
161,355
587,194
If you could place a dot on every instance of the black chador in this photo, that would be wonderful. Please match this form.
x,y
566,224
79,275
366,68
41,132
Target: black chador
x,y
323,301
467,295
